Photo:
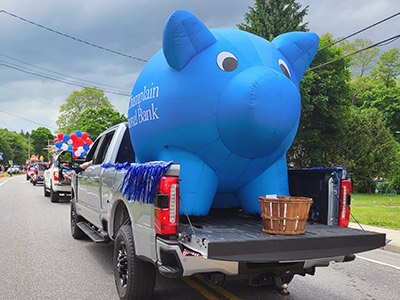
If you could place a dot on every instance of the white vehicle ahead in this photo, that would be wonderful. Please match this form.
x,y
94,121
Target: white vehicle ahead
x,y
55,181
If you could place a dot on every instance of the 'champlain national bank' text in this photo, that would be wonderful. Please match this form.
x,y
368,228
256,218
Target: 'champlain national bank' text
x,y
147,94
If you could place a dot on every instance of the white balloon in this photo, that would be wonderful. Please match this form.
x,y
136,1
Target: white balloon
x,y
80,149
64,146
70,142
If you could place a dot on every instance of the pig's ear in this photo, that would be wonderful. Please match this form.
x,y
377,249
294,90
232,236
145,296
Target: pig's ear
x,y
299,49
184,36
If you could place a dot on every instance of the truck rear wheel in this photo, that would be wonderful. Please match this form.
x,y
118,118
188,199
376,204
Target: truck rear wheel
x,y
76,232
54,196
135,279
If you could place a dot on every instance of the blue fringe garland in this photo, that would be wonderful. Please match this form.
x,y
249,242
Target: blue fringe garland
x,y
140,180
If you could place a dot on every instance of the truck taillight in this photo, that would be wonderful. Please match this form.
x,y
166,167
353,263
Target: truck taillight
x,y
166,206
344,205
55,176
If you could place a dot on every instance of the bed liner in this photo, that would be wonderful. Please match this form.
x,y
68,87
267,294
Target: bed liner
x,y
235,236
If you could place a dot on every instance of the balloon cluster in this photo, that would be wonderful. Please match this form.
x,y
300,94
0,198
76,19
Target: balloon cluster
x,y
36,158
78,143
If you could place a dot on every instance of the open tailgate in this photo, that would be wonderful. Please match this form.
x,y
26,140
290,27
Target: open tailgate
x,y
239,237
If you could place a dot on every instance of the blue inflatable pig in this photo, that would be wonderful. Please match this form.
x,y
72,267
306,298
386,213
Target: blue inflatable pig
x,y
225,104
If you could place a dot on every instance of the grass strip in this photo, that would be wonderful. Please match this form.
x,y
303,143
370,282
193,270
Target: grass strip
x,y
387,217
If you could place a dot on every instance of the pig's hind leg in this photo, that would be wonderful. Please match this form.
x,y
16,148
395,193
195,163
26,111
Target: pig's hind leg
x,y
199,182
274,180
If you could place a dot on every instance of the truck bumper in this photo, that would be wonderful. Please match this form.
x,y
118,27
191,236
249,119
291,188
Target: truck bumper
x,y
190,265
170,254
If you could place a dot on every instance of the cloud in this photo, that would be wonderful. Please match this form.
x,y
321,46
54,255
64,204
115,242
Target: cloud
x,y
131,27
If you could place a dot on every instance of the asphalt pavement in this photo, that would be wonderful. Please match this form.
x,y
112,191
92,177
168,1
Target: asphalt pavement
x,y
40,260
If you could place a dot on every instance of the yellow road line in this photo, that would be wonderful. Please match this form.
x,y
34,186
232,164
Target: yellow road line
x,y
219,289
199,288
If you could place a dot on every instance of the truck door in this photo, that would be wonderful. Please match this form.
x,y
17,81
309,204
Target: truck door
x,y
89,181
125,154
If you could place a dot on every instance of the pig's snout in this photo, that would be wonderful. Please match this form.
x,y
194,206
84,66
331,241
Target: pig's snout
x,y
258,110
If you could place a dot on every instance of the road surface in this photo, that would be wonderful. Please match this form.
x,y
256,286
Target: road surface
x,y
40,260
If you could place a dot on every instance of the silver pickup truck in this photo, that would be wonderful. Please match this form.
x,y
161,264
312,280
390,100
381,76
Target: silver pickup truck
x,y
225,245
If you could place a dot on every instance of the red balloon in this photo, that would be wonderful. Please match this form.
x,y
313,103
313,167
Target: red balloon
x,y
74,148
84,135
80,141
56,140
88,141
60,136
74,157
73,136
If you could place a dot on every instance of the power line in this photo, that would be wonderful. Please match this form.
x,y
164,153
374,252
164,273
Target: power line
x,y
33,72
385,42
359,31
21,69
72,37
48,70
6,112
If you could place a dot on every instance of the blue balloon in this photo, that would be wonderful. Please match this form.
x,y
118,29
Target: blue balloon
x,y
86,147
58,144
66,137
225,104
82,155
70,147
78,133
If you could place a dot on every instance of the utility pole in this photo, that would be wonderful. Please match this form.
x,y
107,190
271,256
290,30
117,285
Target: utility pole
x,y
29,147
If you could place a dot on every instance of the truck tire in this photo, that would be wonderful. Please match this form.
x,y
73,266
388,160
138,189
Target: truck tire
x,y
46,192
135,279
76,232
54,196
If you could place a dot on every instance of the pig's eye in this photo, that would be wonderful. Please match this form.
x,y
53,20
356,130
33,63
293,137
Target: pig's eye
x,y
284,68
226,61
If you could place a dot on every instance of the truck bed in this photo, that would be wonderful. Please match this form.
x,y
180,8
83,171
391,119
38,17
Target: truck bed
x,y
235,236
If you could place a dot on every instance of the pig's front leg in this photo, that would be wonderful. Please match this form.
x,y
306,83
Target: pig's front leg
x,y
274,180
199,182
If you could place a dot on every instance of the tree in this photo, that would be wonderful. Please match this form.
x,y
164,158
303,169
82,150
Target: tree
x,y
388,68
40,138
379,90
325,92
387,101
270,18
14,146
69,119
95,122
368,149
5,148
360,65
362,62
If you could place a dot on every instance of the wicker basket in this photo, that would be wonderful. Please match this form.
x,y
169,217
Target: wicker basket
x,y
285,215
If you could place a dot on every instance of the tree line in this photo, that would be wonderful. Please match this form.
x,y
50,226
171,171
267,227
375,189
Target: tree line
x,y
87,110
350,108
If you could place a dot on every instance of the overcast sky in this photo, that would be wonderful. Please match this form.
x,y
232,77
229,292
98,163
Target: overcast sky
x,y
132,27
